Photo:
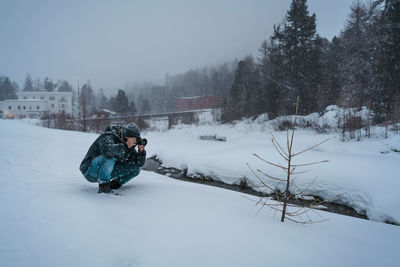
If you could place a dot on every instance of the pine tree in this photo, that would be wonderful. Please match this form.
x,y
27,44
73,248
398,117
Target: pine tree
x,y
386,66
302,52
49,85
245,91
295,56
28,85
87,99
101,100
7,89
331,55
279,94
264,68
37,85
121,104
65,87
356,59
145,107
132,107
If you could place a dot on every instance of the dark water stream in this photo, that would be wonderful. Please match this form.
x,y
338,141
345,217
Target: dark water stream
x,y
152,164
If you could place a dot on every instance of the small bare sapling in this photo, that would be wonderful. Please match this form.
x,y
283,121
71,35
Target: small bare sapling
x,y
285,187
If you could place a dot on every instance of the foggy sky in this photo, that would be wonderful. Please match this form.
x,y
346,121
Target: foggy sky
x,y
112,43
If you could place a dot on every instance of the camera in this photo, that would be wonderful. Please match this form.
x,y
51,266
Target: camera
x,y
141,141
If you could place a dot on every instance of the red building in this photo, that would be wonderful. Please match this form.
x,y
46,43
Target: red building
x,y
198,102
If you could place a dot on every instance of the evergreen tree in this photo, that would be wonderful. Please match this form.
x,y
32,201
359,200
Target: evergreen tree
x,y
386,55
356,63
7,89
65,87
37,85
331,58
121,104
28,85
245,92
87,100
111,103
264,67
145,107
132,107
15,85
49,85
279,93
295,52
101,100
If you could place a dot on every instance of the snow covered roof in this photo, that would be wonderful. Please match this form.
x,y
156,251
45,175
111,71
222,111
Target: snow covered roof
x,y
24,100
23,93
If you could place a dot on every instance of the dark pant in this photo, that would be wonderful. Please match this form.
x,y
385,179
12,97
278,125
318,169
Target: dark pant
x,y
103,169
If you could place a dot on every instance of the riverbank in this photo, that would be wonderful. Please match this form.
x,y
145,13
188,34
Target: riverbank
x,y
154,165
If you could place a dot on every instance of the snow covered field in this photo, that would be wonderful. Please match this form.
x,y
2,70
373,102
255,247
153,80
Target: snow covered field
x,y
50,215
364,175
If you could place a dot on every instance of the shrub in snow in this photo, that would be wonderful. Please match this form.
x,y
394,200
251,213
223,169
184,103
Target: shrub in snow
x,y
286,187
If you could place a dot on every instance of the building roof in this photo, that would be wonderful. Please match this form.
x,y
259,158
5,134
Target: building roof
x,y
25,100
42,92
198,103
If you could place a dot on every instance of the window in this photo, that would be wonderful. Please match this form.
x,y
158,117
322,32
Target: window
x,y
24,107
63,105
52,98
62,99
19,107
25,97
42,97
9,107
52,105
34,97
30,107
37,107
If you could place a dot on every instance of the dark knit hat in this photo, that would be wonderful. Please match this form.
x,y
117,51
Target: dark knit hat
x,y
131,130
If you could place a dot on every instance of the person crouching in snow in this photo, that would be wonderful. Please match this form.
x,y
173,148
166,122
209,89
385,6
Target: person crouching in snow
x,y
112,159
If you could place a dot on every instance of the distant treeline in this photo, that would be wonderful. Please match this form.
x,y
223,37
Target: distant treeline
x,y
359,67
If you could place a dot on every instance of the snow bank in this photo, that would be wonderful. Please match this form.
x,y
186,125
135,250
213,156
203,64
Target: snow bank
x,y
363,175
50,216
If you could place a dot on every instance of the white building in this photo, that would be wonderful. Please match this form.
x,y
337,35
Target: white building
x,y
36,104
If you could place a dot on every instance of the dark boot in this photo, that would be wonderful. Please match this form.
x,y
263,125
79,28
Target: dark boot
x,y
114,184
104,188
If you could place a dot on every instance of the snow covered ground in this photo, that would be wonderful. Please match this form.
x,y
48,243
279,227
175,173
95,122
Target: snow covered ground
x,y
362,174
50,215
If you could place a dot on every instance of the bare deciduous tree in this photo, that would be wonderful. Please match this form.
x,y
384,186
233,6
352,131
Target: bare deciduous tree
x,y
291,190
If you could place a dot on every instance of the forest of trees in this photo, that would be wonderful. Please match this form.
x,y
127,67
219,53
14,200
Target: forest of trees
x,y
359,67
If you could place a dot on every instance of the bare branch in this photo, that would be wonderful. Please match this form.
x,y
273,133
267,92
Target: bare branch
x,y
259,178
312,163
309,185
273,164
287,140
305,150
283,155
271,177
295,173
276,143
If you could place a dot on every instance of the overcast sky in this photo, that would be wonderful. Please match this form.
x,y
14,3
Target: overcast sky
x,y
112,43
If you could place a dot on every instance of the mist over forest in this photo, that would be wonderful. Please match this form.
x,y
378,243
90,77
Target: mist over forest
x,y
358,67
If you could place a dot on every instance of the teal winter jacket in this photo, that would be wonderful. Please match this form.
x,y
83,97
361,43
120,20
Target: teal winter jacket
x,y
111,144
